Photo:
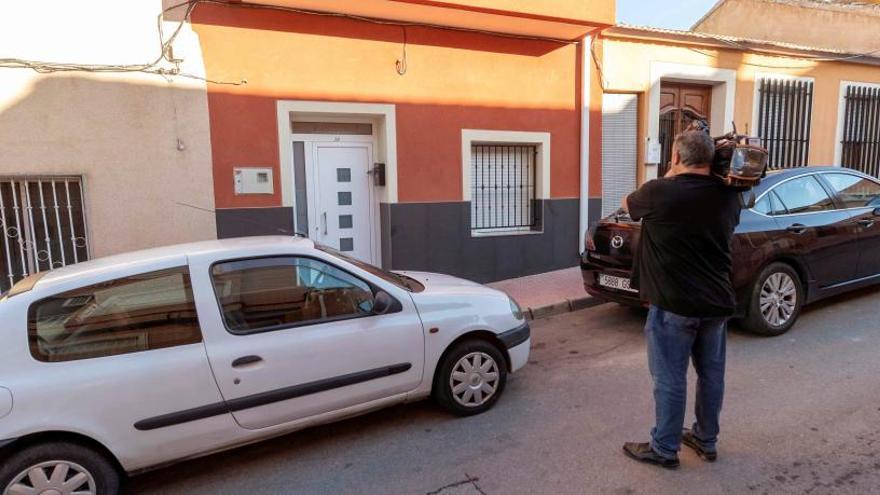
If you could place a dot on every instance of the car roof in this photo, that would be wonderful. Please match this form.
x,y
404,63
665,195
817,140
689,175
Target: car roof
x,y
777,176
232,246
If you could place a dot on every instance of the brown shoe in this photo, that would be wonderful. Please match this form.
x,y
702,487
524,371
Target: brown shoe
x,y
688,438
643,452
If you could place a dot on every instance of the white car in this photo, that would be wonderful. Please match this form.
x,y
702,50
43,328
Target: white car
x,y
125,363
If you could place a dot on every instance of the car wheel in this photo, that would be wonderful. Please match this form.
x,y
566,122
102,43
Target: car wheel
x,y
56,468
470,378
776,300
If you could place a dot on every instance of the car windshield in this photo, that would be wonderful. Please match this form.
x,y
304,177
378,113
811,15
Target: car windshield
x,y
397,279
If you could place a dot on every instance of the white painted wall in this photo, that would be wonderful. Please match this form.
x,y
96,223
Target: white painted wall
x,y
119,131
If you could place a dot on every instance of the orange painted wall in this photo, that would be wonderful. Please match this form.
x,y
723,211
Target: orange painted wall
x,y
455,80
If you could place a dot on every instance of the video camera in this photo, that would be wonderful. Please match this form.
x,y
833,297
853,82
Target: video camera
x,y
739,159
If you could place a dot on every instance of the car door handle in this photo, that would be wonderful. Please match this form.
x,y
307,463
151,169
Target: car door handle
x,y
866,222
246,360
797,228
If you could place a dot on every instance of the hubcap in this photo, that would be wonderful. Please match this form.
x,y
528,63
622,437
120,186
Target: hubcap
x,y
52,478
474,379
778,299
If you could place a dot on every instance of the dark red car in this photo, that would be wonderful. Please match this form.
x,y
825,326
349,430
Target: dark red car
x,y
813,232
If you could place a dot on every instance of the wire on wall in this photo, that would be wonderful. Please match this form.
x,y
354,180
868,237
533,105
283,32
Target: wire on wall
x,y
166,51
400,64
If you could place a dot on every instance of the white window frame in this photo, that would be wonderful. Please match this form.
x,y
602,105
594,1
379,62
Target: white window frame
x,y
841,114
756,101
541,141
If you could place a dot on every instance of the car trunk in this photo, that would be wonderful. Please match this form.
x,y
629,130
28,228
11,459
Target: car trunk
x,y
614,241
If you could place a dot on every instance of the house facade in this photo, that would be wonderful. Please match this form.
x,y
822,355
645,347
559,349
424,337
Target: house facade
x,y
96,157
809,106
849,25
446,136
479,138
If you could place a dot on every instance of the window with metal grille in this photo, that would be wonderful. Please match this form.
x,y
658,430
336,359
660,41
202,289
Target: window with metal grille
x,y
784,110
860,146
43,223
503,187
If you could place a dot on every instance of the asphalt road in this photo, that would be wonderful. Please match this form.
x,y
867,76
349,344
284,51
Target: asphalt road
x,y
802,415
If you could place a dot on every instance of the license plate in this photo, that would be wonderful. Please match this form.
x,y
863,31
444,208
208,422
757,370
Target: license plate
x,y
613,282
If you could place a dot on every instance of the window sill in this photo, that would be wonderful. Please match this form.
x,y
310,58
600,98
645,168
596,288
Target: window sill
x,y
505,232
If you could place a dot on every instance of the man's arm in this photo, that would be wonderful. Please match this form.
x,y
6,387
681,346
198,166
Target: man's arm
x,y
640,202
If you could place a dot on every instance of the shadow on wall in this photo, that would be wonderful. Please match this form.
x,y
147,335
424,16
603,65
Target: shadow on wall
x,y
340,27
140,144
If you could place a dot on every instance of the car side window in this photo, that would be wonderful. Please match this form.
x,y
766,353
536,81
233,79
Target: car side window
x,y
263,294
854,191
770,205
804,195
137,313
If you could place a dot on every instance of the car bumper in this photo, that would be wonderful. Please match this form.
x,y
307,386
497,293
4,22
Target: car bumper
x,y
518,343
590,273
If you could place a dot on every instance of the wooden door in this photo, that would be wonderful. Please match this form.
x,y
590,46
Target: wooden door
x,y
680,104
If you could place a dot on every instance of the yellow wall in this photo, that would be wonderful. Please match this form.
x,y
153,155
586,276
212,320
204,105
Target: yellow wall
x,y
120,132
627,65
829,27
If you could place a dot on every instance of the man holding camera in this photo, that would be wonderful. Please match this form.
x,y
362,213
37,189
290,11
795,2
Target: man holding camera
x,y
683,267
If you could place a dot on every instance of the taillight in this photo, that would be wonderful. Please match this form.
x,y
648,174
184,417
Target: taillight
x,y
588,241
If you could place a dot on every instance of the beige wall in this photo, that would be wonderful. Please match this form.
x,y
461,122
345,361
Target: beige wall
x,y
119,132
627,66
835,27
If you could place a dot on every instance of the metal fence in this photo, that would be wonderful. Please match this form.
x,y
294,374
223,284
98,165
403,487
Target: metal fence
x,y
784,111
43,223
860,147
503,187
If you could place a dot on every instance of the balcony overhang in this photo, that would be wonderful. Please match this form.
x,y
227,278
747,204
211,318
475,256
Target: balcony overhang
x,y
551,19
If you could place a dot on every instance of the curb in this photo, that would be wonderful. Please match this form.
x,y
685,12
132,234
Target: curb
x,y
566,306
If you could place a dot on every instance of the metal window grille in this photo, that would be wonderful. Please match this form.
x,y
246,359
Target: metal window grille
x,y
43,223
860,148
503,187
784,110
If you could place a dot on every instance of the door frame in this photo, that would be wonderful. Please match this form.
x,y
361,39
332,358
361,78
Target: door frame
x,y
383,117
723,82
313,182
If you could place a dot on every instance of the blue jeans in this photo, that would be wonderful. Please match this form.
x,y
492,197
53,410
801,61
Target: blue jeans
x,y
671,340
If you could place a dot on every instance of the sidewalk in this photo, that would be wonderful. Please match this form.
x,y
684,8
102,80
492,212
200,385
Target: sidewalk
x,y
550,293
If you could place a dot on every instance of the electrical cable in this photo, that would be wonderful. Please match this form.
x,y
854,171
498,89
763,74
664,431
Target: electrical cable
x,y
165,46
400,64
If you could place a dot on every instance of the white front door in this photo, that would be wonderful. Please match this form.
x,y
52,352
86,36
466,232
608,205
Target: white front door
x,y
344,203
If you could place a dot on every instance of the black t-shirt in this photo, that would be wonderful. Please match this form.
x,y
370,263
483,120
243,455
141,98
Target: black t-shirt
x,y
683,260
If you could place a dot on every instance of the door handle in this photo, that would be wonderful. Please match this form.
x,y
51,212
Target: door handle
x,y
324,222
866,222
246,360
797,228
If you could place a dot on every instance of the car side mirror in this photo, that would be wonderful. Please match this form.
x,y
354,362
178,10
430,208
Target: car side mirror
x,y
749,200
384,304
877,212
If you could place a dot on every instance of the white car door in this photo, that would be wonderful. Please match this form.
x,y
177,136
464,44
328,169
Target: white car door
x,y
295,337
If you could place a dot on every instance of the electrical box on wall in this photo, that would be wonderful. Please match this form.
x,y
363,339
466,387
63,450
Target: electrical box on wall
x,y
253,180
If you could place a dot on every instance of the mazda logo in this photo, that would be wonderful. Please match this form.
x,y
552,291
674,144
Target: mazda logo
x,y
617,242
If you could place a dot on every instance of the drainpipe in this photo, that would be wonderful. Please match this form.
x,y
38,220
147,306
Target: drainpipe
x,y
584,209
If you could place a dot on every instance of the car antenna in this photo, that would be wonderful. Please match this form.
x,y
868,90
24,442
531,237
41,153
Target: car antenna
x,y
253,222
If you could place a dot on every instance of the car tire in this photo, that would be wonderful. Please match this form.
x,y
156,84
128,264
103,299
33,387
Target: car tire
x,y
470,378
779,290
99,476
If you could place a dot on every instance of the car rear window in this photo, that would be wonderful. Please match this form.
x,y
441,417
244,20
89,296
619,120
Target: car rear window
x,y
137,313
